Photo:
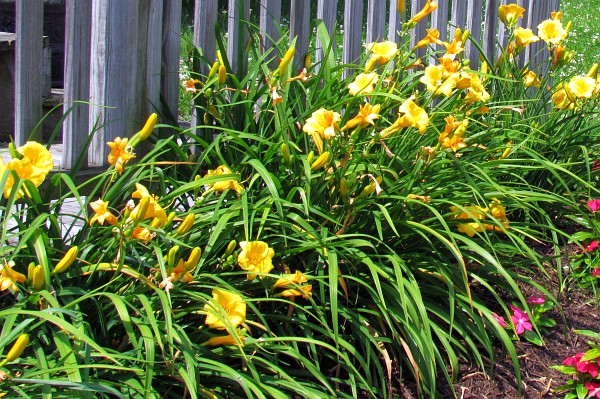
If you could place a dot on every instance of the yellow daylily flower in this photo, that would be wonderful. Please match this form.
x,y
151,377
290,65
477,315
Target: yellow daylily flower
x,y
120,153
289,280
581,87
225,340
102,214
524,37
233,310
415,115
9,277
429,7
154,210
433,36
322,123
510,13
382,51
35,164
304,291
223,185
551,31
366,116
364,83
190,85
255,257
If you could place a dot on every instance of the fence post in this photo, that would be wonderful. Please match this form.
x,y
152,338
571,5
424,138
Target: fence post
x,y
353,14
394,22
114,76
489,33
28,69
418,32
300,28
78,18
237,35
473,23
270,18
205,17
171,43
326,11
153,56
376,12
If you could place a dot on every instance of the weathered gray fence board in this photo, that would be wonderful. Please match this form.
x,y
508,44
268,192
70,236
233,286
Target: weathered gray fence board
x,y
419,31
205,18
491,28
327,12
237,34
395,21
439,19
376,12
170,44
353,15
28,69
153,60
78,19
270,15
114,80
300,29
473,23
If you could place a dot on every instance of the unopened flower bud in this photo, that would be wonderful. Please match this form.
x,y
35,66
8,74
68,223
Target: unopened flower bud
x,y
230,247
16,350
172,257
67,260
186,225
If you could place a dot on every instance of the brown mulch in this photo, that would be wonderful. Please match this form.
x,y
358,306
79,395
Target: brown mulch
x,y
580,312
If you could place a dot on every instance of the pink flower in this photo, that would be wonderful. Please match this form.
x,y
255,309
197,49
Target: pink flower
x,y
594,205
593,389
521,320
591,246
583,367
596,272
536,300
499,319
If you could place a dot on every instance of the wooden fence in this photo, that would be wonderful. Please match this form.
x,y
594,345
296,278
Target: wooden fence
x,y
122,56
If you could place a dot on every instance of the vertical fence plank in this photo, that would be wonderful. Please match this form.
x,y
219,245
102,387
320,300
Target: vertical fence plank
x,y
395,21
458,16
114,84
237,35
376,12
28,69
171,42
153,51
327,12
205,18
78,19
300,29
473,23
270,17
419,31
439,19
491,27
353,15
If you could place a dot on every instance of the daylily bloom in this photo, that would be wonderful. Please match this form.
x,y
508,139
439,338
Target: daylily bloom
x,y
154,210
510,13
453,48
433,36
581,87
223,185
102,214
594,205
9,277
256,257
531,79
364,83
142,234
455,142
429,7
120,153
35,164
225,308
225,340
551,31
415,115
521,320
366,116
304,291
288,280
323,123
383,51
190,85
524,36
